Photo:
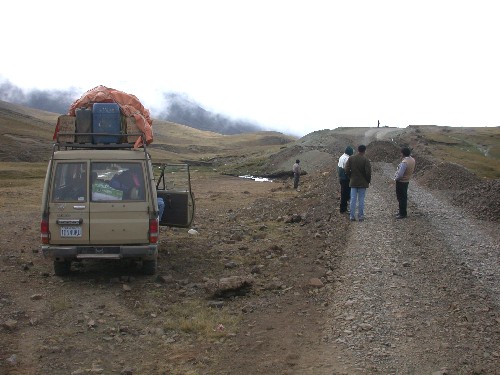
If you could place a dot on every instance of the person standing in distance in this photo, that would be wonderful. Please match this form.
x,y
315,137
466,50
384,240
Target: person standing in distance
x,y
296,174
345,190
359,170
402,178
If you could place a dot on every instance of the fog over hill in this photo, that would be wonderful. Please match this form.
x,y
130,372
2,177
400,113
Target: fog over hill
x,y
182,110
57,101
178,108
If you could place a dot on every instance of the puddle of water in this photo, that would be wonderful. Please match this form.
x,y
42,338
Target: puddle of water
x,y
258,179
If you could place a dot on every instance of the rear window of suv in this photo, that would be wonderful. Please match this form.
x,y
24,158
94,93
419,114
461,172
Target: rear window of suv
x,y
111,181
70,182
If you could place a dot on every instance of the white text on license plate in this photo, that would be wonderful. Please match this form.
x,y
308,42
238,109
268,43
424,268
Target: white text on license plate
x,y
71,231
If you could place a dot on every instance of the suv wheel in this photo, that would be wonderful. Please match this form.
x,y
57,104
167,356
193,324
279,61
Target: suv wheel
x,y
149,267
62,268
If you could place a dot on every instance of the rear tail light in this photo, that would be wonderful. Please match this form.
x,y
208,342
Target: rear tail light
x,y
44,231
153,230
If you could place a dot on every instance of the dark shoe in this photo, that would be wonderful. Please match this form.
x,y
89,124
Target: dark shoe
x,y
361,219
353,219
400,216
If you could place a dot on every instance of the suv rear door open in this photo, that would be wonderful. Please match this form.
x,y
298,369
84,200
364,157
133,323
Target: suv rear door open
x,y
174,187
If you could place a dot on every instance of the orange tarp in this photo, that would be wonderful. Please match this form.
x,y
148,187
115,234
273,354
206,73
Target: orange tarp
x,y
129,105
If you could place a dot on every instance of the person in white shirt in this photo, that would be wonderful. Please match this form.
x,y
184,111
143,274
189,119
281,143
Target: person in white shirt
x,y
345,190
402,178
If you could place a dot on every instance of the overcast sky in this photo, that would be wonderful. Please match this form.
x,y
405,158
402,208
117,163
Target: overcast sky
x,y
291,66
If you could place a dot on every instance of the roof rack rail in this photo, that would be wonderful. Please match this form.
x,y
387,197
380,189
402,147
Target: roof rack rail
x,y
61,141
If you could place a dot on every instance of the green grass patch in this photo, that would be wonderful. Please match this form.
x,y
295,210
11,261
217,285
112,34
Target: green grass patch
x,y
477,149
21,170
60,304
195,317
22,174
446,139
471,159
250,166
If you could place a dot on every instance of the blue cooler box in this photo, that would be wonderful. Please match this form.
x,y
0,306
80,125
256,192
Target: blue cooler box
x,y
106,119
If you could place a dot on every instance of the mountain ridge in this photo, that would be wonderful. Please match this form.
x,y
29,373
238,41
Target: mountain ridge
x,y
26,135
178,108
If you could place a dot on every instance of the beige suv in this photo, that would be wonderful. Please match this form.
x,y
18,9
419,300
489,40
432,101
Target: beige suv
x,y
102,203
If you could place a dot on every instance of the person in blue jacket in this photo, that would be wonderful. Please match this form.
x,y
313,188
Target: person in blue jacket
x,y
161,208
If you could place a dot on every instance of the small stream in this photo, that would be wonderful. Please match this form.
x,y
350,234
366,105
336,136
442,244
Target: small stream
x,y
258,179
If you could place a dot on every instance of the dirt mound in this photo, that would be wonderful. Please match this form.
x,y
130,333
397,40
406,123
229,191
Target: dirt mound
x,y
448,176
326,139
423,163
383,151
319,151
481,199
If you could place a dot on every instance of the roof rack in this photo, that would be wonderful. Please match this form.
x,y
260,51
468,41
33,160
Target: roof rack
x,y
62,143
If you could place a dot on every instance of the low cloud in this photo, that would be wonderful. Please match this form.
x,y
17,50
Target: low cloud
x,y
178,108
57,101
182,110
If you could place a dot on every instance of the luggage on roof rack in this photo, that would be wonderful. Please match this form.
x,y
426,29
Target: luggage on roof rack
x,y
106,119
66,125
133,115
83,125
65,140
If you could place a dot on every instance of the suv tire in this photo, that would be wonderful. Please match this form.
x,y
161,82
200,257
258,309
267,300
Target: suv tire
x,y
149,267
62,268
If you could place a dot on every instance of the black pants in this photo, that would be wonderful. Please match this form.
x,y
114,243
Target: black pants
x,y
345,194
402,195
296,178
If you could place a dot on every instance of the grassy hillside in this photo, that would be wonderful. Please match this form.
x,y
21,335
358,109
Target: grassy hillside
x,y
477,149
26,136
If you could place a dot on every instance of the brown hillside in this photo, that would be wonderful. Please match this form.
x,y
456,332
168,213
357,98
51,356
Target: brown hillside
x,y
463,163
26,135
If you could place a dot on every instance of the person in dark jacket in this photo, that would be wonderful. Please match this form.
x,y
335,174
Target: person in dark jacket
x,y
359,171
296,174
345,190
131,182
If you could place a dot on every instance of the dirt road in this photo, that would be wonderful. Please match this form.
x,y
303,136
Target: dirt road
x,y
414,296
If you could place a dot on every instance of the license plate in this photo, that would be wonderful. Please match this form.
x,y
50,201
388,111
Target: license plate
x,y
71,231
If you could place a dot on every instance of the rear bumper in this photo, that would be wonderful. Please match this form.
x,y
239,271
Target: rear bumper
x,y
62,253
